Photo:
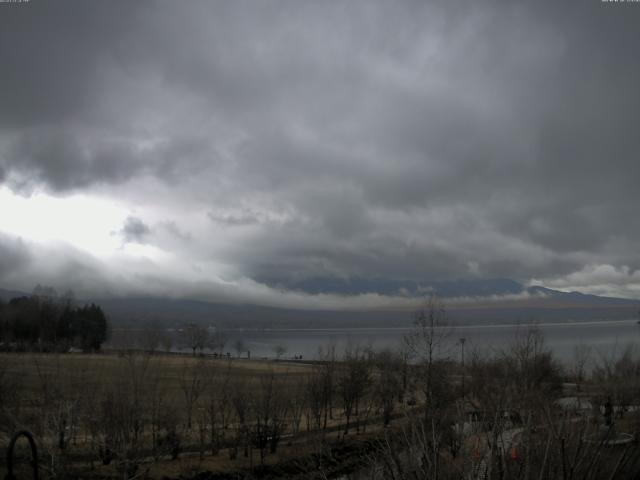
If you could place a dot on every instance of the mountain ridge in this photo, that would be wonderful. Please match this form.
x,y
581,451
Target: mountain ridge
x,y
514,303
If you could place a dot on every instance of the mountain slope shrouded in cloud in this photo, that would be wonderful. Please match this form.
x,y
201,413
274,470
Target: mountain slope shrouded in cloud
x,y
501,301
547,306
382,286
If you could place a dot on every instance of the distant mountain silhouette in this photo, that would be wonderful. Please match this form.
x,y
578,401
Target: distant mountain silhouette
x,y
357,285
466,301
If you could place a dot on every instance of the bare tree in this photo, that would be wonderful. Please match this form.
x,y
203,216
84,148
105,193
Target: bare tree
x,y
195,337
315,398
297,400
580,361
60,390
353,380
192,384
619,376
155,408
217,403
151,337
269,411
11,389
218,341
388,382
240,400
328,381
426,344
166,340
279,350
118,419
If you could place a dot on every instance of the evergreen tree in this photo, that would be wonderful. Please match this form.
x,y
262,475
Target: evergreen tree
x,y
46,322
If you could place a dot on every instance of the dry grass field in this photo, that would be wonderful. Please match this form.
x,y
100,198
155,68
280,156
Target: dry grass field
x,y
132,415
83,374
135,402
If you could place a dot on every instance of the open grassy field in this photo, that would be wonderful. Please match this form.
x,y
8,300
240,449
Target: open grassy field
x,y
104,414
29,365
131,414
35,374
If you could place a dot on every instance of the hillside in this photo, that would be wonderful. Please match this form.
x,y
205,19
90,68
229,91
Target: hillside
x,y
494,301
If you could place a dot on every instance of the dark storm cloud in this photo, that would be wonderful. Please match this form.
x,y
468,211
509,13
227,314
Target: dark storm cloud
x,y
410,141
75,157
134,230
64,161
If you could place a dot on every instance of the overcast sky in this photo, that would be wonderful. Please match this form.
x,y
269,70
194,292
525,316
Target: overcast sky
x,y
233,150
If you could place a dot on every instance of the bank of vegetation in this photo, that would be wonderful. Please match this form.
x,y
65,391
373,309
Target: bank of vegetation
x,y
47,322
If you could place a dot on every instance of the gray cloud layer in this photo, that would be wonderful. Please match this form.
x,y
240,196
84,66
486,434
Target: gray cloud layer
x,y
134,230
420,140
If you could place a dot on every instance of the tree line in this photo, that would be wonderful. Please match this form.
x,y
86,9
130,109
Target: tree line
x,y
47,322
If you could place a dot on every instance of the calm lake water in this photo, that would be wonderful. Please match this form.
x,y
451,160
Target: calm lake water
x,y
605,337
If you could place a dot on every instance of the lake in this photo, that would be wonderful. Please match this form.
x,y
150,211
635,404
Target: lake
x,y
605,337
